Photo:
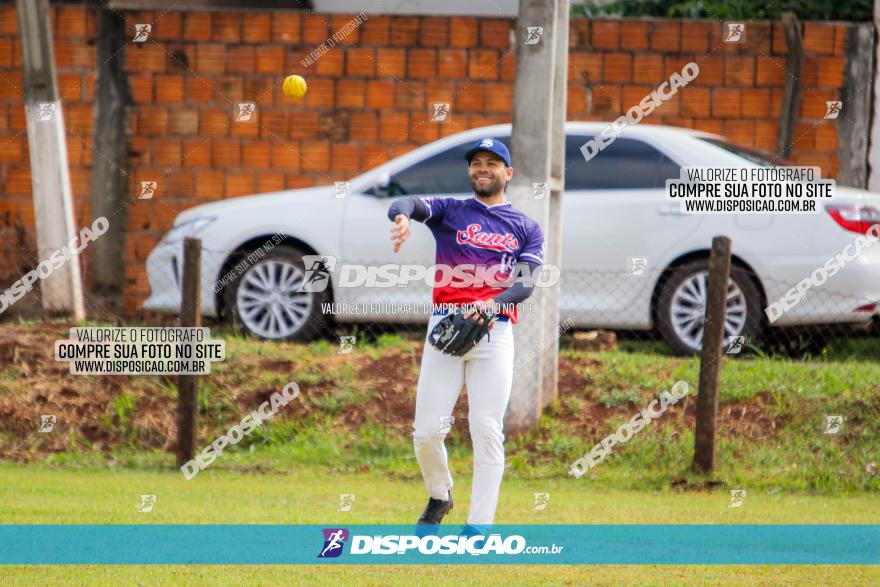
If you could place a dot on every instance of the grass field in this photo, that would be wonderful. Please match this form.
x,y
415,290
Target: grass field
x,y
355,413
42,494
349,432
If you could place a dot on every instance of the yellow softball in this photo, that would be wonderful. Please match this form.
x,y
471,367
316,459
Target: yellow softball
x,y
294,86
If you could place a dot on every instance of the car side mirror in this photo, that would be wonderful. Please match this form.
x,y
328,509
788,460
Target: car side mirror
x,y
380,188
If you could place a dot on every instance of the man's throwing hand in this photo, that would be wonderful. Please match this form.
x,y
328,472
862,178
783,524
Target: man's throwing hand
x,y
400,231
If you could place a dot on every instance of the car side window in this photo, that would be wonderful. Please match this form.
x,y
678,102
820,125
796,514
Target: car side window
x,y
624,164
444,173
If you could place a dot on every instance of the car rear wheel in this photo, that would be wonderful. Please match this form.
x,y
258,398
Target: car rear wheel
x,y
681,307
266,301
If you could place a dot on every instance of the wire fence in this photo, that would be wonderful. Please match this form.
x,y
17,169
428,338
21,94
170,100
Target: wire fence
x,y
274,289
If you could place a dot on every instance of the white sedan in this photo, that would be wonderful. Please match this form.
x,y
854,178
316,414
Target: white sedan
x,y
630,259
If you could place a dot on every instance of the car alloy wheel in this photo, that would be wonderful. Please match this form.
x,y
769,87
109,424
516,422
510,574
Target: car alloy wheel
x,y
265,300
268,301
679,313
688,310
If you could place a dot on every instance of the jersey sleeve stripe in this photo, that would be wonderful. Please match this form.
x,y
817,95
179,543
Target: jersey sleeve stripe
x,y
430,212
535,257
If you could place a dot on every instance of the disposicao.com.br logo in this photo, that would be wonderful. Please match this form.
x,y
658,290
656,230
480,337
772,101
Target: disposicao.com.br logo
x,y
335,539
319,269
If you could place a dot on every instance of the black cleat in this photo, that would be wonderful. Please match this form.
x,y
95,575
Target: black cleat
x,y
435,510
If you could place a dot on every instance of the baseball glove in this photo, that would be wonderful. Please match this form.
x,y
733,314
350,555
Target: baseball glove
x,y
455,335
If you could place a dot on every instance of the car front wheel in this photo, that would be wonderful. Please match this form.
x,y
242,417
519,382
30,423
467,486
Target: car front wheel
x,y
681,307
266,299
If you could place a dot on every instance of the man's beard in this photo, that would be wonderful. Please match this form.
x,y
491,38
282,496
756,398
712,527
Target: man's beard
x,y
489,189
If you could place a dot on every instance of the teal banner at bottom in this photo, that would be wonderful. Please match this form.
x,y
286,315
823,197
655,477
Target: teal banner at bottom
x,y
407,544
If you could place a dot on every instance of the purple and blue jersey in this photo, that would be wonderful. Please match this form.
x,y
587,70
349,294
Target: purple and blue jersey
x,y
469,232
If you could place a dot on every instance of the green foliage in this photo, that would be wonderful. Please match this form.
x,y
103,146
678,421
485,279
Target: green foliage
x,y
123,406
375,444
626,372
11,373
217,404
574,404
619,398
388,340
562,444
338,400
847,10
323,348
771,437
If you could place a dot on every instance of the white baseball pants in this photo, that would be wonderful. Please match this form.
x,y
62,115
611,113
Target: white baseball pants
x,y
487,371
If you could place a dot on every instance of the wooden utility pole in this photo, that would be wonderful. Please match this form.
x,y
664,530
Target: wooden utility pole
x,y
47,146
874,140
792,91
710,356
190,316
854,121
110,176
538,149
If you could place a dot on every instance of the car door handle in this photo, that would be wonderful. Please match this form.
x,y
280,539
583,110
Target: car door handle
x,y
670,211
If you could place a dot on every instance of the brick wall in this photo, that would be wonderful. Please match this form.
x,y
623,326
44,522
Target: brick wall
x,y
369,96
74,31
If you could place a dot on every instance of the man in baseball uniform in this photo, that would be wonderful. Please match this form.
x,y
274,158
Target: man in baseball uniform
x,y
487,233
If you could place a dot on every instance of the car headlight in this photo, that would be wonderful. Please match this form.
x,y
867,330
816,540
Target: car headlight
x,y
188,228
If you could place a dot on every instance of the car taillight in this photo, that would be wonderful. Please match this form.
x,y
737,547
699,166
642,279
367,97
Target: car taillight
x,y
854,218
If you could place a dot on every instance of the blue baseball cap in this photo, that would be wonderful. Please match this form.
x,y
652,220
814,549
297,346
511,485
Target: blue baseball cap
x,y
491,145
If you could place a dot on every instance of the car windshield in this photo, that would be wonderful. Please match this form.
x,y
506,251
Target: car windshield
x,y
755,156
